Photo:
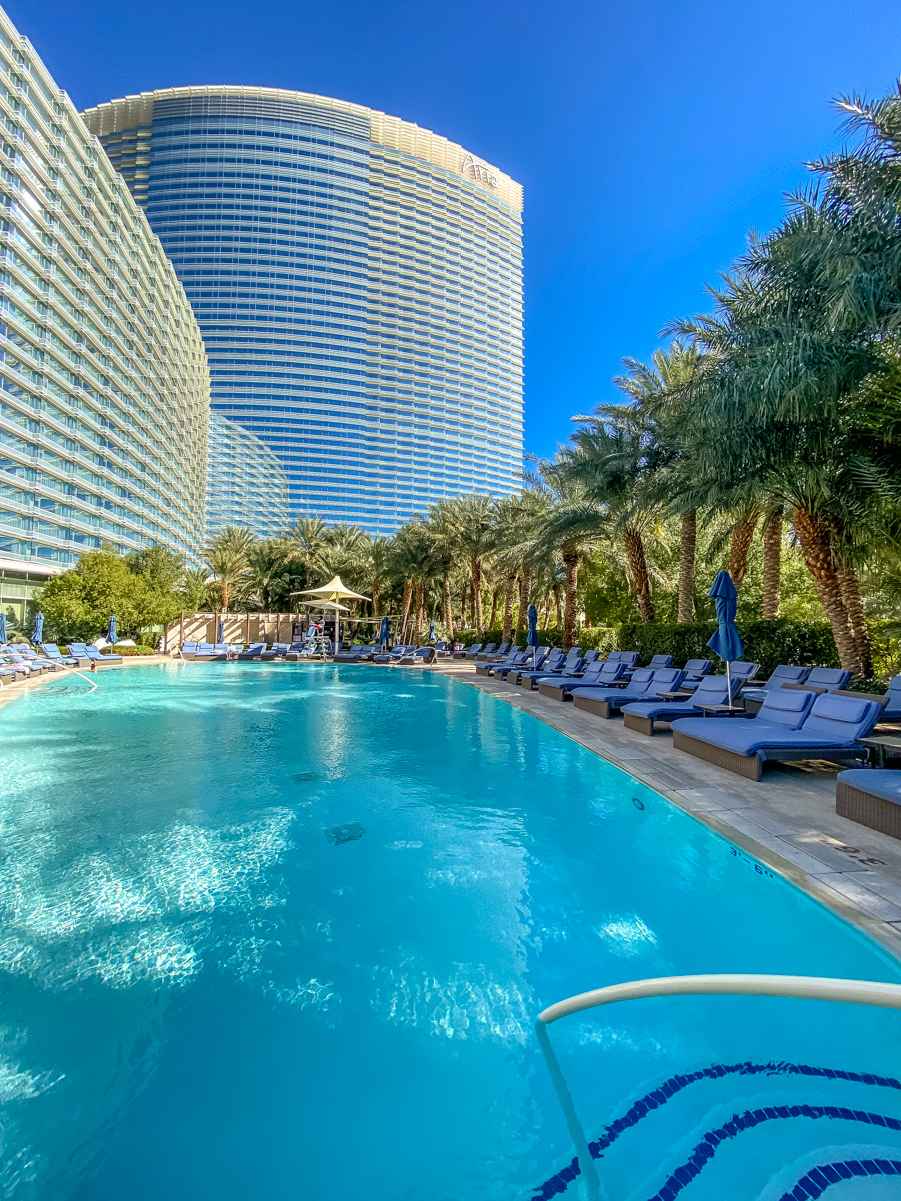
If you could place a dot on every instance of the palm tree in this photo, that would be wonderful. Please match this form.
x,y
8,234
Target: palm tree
x,y
378,566
658,390
571,527
228,560
608,459
472,521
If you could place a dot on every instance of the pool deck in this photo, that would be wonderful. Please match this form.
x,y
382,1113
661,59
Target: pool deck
x,y
787,820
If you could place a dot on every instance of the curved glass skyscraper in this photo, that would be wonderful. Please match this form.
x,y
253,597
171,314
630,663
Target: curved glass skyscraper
x,y
245,484
104,387
358,283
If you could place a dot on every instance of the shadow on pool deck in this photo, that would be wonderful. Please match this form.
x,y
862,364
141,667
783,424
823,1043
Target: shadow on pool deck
x,y
787,820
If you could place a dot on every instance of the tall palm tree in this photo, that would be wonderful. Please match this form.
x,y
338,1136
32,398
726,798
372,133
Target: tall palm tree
x,y
472,522
228,560
609,458
658,390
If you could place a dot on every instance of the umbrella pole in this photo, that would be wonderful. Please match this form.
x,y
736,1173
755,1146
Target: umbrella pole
x,y
729,683
337,627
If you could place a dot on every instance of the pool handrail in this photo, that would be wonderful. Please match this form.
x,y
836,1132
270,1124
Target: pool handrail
x,y
809,988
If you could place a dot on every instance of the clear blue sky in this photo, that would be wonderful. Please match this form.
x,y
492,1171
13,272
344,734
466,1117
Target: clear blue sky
x,y
649,137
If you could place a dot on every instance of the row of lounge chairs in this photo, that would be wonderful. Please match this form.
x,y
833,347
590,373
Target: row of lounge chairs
x,y
741,724
21,661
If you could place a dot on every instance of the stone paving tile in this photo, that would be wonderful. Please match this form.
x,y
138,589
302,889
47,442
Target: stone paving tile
x,y
847,885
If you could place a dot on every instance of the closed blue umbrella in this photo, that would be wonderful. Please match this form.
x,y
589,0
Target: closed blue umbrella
x,y
37,634
532,632
431,631
3,634
111,632
384,632
726,641
220,631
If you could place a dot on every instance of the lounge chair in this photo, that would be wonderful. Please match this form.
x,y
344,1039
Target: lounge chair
x,y
743,670
549,665
890,701
532,660
785,673
641,716
277,650
568,665
628,658
598,674
644,685
30,655
660,661
507,660
468,652
254,651
515,662
492,649
872,797
696,669
425,655
396,652
97,657
791,725
52,651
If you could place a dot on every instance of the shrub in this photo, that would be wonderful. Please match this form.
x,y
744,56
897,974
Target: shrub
x,y
128,651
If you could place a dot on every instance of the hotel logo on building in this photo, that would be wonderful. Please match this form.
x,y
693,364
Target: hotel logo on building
x,y
477,171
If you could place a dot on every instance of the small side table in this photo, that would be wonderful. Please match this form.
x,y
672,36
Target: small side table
x,y
679,695
881,748
724,710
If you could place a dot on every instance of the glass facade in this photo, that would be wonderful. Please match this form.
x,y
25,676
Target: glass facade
x,y
246,484
104,384
358,282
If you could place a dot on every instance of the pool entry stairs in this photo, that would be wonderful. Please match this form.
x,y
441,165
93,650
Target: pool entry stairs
x,y
678,1160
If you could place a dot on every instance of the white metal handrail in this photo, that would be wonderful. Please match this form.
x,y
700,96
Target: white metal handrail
x,y
808,988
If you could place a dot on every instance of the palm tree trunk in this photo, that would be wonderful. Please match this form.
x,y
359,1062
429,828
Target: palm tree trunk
x,y
405,610
816,547
525,583
448,609
494,595
687,551
637,565
376,598
571,565
850,586
476,579
507,632
740,545
419,610
464,593
772,565
558,607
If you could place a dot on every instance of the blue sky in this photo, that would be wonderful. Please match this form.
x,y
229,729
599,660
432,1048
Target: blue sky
x,y
649,137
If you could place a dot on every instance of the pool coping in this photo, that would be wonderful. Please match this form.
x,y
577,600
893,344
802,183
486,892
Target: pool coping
x,y
733,814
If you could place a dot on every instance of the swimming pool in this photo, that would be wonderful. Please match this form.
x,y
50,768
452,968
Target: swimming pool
x,y
276,932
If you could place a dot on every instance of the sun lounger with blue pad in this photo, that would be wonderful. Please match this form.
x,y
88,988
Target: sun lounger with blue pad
x,y
645,684
791,725
641,716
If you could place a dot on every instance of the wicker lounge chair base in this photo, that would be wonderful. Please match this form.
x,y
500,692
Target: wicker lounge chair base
x,y
555,692
867,809
639,723
749,766
590,705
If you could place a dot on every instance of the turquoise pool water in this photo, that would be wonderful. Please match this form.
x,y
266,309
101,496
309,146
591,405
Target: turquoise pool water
x,y
272,933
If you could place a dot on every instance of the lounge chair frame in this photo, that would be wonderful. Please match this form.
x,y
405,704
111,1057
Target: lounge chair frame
x,y
867,809
751,766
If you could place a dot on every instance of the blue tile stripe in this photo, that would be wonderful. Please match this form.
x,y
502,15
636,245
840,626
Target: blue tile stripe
x,y
738,1123
560,1181
815,1182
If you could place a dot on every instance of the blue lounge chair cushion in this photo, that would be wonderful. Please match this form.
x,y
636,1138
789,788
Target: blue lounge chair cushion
x,y
659,661
881,782
830,723
892,710
697,667
712,690
828,677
